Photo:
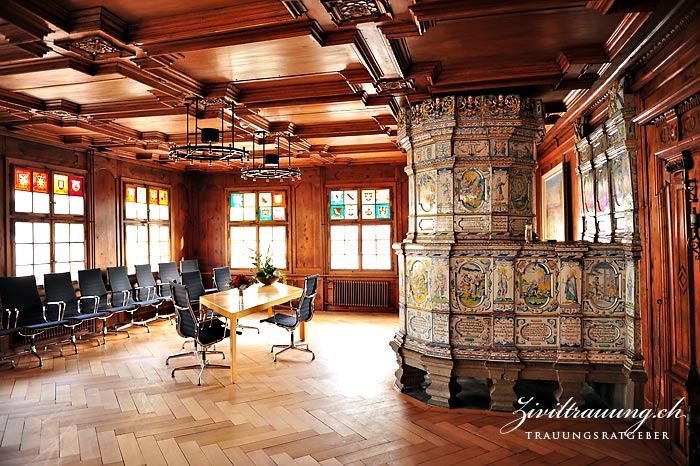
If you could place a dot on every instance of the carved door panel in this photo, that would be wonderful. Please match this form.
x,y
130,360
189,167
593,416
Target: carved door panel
x,y
676,322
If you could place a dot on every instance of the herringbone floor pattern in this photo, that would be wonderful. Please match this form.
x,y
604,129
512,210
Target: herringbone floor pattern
x,y
118,405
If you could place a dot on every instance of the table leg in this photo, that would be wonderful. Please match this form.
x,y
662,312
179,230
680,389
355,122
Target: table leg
x,y
232,342
269,312
302,331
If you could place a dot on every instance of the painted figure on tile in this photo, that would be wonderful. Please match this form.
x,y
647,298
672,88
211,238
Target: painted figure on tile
x,y
502,284
571,288
441,284
418,282
473,189
471,285
536,285
500,181
603,285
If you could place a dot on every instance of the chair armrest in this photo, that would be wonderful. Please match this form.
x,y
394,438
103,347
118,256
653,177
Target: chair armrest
x,y
159,288
8,323
150,292
60,308
125,295
210,290
95,303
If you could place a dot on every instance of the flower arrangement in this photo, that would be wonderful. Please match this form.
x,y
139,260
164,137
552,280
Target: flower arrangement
x,y
241,282
265,272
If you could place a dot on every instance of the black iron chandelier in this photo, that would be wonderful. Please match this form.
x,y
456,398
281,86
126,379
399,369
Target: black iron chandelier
x,y
266,165
208,146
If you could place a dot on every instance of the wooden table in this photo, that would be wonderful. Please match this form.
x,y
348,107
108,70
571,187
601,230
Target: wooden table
x,y
255,298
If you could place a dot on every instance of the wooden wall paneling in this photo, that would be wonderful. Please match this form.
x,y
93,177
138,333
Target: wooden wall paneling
x,y
4,208
208,213
105,201
307,211
180,219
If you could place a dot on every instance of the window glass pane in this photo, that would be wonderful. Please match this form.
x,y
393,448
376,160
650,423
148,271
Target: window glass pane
x,y
24,254
42,253
77,252
24,270
61,232
77,232
164,233
62,252
384,246
164,212
77,205
24,232
384,262
368,247
74,268
383,231
23,201
41,203
142,211
265,236
351,247
337,232
154,211
351,232
337,248
60,204
62,267
130,210
39,271
42,233
369,261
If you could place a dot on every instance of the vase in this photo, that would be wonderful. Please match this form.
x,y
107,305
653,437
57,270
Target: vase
x,y
266,280
240,292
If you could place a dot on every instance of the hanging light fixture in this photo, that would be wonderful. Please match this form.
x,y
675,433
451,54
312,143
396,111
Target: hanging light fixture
x,y
208,145
266,165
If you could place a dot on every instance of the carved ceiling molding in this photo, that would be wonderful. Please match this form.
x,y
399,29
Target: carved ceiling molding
x,y
95,47
344,12
655,49
395,86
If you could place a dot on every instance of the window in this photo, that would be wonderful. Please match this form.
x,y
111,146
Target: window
x,y
360,232
48,221
147,225
258,222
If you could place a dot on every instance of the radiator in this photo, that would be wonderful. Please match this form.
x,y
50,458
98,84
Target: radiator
x,y
361,293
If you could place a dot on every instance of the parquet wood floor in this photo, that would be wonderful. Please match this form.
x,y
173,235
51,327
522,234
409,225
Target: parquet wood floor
x,y
118,405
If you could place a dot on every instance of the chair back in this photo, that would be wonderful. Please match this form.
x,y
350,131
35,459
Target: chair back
x,y
119,283
144,276
91,284
168,273
21,293
189,265
186,320
222,278
59,287
195,285
311,284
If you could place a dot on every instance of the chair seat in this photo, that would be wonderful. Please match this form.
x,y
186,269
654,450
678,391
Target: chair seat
x,y
83,317
42,326
283,320
211,332
9,331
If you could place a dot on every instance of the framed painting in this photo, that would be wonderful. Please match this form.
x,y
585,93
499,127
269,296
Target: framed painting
x,y
554,204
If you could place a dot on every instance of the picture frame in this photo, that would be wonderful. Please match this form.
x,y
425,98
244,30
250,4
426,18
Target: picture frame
x,y
553,210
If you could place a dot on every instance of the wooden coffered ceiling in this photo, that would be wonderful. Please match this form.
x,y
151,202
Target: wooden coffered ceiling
x,y
112,75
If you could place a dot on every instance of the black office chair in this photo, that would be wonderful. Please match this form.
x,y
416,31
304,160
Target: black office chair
x,y
195,285
123,292
222,278
8,328
59,288
189,265
205,331
304,312
145,279
21,294
91,284
168,273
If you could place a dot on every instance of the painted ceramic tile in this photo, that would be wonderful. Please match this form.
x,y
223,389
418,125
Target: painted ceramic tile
x,y
630,287
520,187
418,284
629,337
441,328
473,331
536,285
536,332
472,284
570,286
499,189
503,281
439,280
570,332
520,149
602,286
474,148
444,191
442,149
419,324
503,330
604,334
621,182
427,198
499,147
402,317
602,190
472,190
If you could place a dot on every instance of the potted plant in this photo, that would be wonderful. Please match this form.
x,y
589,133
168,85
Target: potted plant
x,y
265,272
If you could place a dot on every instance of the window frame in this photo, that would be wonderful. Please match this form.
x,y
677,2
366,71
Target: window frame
x,y
148,222
257,223
360,222
51,218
